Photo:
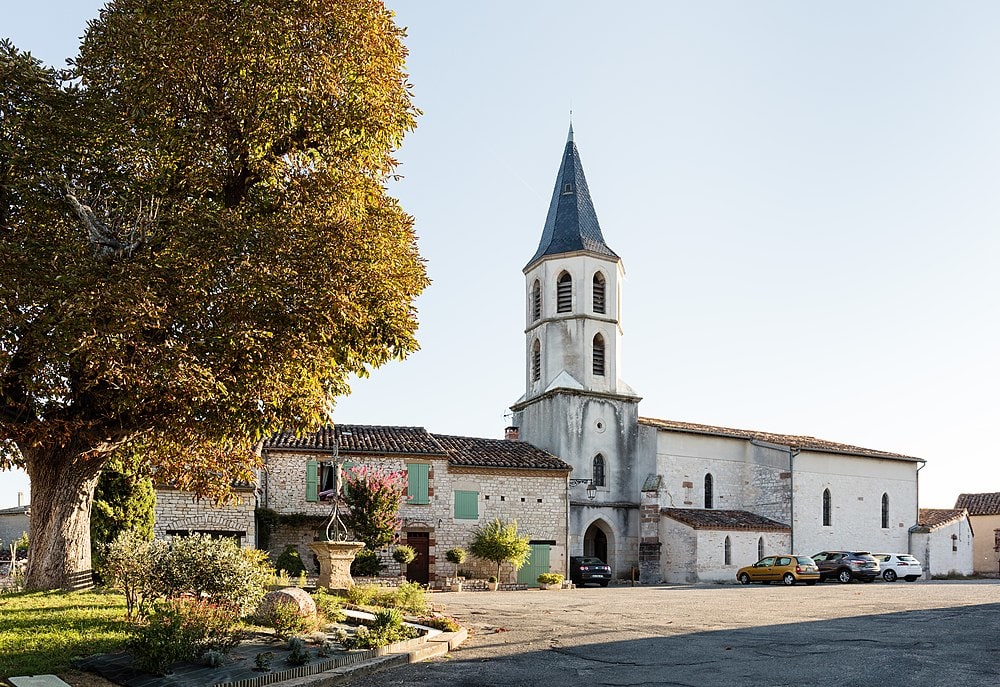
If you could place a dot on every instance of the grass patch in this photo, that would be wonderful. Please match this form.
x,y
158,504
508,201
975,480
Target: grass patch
x,y
40,632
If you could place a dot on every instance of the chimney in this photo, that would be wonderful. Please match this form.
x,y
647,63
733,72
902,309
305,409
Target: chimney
x,y
20,498
511,434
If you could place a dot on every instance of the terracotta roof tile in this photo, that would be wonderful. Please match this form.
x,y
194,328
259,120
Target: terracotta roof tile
x,y
790,440
933,518
980,504
711,519
498,453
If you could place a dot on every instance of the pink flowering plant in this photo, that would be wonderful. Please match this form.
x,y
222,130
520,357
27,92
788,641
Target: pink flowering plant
x,y
373,497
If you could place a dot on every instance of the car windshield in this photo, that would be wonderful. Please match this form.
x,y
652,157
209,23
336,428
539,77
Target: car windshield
x,y
805,560
908,559
589,561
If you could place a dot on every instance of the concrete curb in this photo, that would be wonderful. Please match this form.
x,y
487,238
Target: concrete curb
x,y
410,651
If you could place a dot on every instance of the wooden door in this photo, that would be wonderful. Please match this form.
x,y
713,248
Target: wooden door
x,y
419,569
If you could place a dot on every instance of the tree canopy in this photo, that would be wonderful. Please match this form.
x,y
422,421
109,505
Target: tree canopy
x,y
498,541
197,247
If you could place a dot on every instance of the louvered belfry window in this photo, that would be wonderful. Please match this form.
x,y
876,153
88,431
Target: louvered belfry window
x,y
536,302
536,361
599,355
599,299
564,293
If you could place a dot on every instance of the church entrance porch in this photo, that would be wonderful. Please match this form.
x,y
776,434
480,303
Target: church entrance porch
x,y
595,541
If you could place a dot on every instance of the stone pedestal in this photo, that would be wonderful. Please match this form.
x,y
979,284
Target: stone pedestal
x,y
335,559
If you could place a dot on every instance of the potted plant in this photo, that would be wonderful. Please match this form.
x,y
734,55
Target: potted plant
x,y
456,556
499,542
492,583
550,580
404,554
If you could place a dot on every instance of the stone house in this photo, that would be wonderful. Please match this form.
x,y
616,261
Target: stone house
x,y
943,541
984,514
180,513
13,524
454,485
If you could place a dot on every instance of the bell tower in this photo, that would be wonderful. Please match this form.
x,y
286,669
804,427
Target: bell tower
x,y
575,404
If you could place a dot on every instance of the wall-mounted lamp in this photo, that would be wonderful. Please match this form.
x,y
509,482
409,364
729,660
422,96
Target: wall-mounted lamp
x,y
591,487
591,491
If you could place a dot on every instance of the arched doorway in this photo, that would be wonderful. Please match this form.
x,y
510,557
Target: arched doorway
x,y
595,541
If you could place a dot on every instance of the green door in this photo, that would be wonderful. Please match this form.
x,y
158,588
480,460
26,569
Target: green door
x,y
538,563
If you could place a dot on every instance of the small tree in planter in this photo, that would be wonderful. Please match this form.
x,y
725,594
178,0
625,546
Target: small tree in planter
x,y
499,542
404,555
550,580
456,556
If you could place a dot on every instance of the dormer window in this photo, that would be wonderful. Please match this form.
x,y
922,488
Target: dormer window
x,y
599,297
567,189
564,293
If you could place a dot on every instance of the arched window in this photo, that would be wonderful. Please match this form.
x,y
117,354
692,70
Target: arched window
x,y
536,301
599,300
827,519
599,355
536,361
760,548
598,478
885,511
729,551
564,293
709,497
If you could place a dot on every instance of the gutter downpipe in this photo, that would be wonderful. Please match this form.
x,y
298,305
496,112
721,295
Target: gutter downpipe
x,y
792,451
916,520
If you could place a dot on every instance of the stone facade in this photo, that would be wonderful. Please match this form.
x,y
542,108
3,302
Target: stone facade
x,y
180,512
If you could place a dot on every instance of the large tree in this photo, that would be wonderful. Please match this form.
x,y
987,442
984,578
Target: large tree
x,y
196,244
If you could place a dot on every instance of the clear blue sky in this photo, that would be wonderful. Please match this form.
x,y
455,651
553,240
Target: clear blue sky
x,y
805,197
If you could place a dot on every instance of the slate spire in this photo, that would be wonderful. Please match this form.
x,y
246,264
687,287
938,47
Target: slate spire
x,y
571,224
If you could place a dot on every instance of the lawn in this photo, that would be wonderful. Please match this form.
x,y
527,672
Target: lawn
x,y
40,632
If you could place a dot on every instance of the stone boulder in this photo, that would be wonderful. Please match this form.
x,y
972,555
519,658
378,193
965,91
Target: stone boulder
x,y
289,595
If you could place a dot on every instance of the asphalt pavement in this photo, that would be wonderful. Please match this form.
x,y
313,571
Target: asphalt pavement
x,y
938,633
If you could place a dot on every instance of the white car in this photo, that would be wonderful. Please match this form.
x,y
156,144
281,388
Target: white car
x,y
899,565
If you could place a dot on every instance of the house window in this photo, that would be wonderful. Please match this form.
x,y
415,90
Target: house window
x,y
564,293
709,496
599,355
536,301
760,548
466,505
728,546
885,511
536,361
417,483
827,519
598,474
599,299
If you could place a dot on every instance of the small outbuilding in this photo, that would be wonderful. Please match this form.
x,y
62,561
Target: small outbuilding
x,y
943,541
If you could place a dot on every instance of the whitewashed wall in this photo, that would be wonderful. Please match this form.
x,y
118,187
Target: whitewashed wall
x,y
940,553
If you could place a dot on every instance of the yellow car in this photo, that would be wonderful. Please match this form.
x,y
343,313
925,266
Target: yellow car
x,y
785,568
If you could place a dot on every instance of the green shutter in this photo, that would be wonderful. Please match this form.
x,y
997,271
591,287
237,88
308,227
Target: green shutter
x,y
345,466
312,480
466,505
417,483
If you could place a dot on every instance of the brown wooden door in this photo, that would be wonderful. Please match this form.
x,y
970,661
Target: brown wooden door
x,y
419,569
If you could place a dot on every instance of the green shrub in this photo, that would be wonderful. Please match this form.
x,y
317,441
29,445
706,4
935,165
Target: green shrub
x,y
372,638
329,605
410,597
126,564
285,619
217,568
290,561
388,618
440,622
550,578
404,554
366,564
183,629
298,655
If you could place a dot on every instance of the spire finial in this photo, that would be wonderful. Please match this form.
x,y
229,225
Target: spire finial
x,y
569,139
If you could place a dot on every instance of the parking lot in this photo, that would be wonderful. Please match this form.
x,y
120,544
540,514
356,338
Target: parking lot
x,y
921,633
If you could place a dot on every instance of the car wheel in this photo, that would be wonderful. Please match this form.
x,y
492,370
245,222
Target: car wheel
x,y
744,578
604,583
788,579
844,576
911,578
889,575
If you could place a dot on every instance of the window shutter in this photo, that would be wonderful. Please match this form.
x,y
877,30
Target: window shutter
x,y
466,505
345,466
312,480
417,483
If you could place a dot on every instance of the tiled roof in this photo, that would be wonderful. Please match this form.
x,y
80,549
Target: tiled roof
x,y
356,439
417,441
571,224
790,440
710,519
498,453
980,504
932,518
16,510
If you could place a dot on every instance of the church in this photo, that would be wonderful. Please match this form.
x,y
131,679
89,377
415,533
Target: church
x,y
673,501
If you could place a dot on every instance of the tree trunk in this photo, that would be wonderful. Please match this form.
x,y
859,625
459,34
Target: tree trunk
x,y
62,492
